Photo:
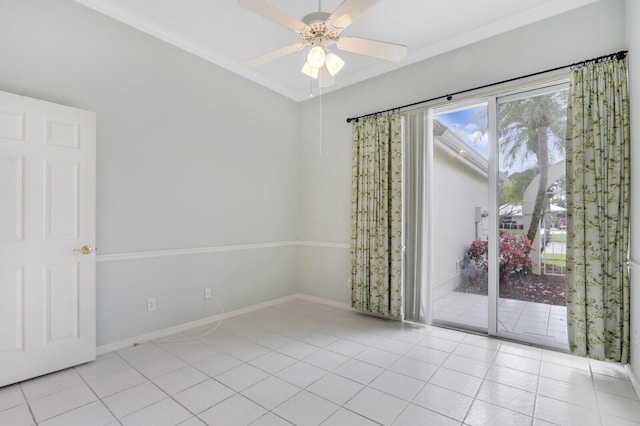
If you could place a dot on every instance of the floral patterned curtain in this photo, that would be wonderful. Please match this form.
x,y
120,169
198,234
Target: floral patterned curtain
x,y
376,216
598,185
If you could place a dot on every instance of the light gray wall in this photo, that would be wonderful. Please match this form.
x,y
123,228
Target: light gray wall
x,y
633,45
325,197
189,155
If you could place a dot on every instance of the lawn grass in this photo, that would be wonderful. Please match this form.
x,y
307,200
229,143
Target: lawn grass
x,y
555,238
558,238
555,259
513,231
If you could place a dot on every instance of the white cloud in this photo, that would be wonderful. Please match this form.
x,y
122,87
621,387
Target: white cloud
x,y
479,138
473,138
471,128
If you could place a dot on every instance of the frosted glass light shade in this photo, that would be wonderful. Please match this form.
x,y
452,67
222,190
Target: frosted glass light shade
x,y
316,57
334,63
309,70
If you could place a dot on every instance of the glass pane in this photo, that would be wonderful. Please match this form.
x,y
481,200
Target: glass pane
x,y
460,227
532,222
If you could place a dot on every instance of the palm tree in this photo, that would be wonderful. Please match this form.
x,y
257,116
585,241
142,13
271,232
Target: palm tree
x,y
512,191
525,127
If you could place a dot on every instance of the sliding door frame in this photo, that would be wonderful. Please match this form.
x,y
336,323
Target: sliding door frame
x,y
491,98
429,114
493,286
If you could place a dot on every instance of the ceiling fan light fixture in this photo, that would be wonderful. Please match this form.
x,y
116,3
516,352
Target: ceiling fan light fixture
x,y
316,56
309,70
318,30
334,63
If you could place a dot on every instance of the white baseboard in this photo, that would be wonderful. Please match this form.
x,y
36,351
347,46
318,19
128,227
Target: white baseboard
x,y
322,301
111,347
634,380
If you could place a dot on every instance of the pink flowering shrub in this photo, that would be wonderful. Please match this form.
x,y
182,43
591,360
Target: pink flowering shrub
x,y
478,251
514,254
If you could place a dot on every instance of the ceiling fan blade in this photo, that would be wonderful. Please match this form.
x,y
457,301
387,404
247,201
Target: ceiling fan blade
x,y
347,12
278,53
264,9
378,49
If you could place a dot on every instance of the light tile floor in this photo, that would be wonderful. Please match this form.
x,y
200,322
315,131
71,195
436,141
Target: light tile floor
x,y
306,364
529,319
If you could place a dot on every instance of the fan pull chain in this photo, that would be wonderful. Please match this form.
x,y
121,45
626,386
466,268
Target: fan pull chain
x,y
320,123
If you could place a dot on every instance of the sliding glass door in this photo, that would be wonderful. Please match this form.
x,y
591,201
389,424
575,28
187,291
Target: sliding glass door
x,y
459,210
497,245
532,215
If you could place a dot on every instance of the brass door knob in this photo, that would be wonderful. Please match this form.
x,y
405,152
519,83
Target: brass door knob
x,y
84,250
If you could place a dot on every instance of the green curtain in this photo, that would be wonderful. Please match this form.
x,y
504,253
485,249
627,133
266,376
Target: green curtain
x,y
376,216
598,185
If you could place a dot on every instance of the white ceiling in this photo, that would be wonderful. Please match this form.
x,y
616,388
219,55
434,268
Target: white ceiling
x,y
224,33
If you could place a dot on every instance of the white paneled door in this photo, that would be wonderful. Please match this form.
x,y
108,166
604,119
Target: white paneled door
x,y
47,234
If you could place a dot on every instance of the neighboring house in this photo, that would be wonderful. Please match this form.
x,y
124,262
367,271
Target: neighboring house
x,y
511,215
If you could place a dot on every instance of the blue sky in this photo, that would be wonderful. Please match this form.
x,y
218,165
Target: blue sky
x,y
464,122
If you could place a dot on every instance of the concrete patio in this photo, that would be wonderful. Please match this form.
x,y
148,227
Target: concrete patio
x,y
538,322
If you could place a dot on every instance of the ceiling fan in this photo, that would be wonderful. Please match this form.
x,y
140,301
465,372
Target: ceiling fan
x,y
319,30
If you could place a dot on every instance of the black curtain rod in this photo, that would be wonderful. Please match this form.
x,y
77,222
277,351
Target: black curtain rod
x,y
618,56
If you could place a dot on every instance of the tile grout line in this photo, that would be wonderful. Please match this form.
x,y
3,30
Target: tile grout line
x,y
360,333
96,395
26,401
593,384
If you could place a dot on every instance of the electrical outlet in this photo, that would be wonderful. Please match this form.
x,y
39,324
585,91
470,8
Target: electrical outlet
x,y
207,293
151,304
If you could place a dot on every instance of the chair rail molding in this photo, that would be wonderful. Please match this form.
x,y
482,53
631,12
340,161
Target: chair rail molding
x,y
117,257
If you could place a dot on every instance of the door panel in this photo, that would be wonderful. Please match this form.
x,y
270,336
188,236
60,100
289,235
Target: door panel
x,y
47,286
11,196
62,134
11,305
11,125
60,302
61,201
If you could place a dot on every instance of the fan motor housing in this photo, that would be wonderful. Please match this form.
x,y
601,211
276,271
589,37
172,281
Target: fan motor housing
x,y
317,31
315,17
